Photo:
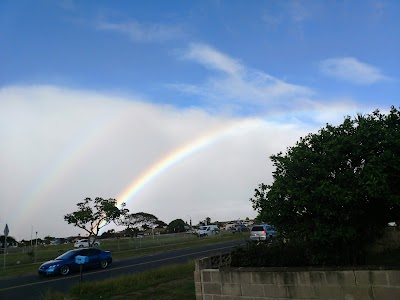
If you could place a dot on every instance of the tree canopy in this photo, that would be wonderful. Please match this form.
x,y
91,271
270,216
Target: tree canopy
x,y
136,221
337,189
177,225
92,215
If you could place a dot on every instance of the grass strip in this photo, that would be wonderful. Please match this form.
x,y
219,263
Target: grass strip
x,y
166,283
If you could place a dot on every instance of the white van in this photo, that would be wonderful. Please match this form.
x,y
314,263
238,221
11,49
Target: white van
x,y
207,230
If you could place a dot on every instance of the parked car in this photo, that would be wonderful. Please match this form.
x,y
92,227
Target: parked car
x,y
84,243
262,232
239,228
65,263
207,230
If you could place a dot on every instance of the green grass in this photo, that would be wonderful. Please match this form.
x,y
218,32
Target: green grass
x,y
167,283
120,248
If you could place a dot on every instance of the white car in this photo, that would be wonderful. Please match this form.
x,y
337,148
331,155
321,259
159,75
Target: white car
x,y
84,243
207,230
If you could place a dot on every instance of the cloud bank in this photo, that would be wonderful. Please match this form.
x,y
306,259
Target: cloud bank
x,y
59,146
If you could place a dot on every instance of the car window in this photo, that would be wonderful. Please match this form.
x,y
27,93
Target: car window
x,y
92,251
67,255
84,252
203,228
257,228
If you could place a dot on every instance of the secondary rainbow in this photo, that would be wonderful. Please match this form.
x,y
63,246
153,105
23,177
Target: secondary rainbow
x,y
181,153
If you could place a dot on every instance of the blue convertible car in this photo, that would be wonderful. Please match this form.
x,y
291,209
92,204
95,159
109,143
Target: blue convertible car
x,y
65,263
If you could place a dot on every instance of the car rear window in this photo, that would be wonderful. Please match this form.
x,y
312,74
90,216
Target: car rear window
x,y
257,228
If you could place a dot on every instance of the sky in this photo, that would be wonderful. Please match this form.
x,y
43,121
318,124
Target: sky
x,y
174,107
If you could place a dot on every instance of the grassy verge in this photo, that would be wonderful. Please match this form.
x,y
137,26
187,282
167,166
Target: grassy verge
x,y
167,283
121,249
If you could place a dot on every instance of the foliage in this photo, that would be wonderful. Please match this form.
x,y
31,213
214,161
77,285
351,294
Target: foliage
x,y
92,215
108,234
336,190
277,254
177,225
136,221
160,224
10,240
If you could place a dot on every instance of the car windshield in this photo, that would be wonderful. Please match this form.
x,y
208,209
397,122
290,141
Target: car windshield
x,y
257,228
203,228
67,255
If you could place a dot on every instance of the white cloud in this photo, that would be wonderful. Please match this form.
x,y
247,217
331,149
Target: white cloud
x,y
213,59
59,146
235,84
352,70
138,32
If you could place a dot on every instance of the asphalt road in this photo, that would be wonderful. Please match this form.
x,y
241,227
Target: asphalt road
x,y
34,287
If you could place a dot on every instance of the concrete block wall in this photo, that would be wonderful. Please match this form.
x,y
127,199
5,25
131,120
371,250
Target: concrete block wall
x,y
293,283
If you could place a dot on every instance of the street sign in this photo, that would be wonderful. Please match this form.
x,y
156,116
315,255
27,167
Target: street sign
x,y
6,231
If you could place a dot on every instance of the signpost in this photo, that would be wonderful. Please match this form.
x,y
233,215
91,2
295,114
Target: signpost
x,y
6,231
81,260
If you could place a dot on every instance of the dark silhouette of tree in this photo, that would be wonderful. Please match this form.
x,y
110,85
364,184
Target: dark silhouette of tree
x,y
138,221
338,189
177,225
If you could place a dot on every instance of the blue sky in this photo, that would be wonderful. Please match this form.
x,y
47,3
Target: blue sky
x,y
186,66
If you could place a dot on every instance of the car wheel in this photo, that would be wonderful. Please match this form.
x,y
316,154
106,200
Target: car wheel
x,y
80,246
64,270
103,263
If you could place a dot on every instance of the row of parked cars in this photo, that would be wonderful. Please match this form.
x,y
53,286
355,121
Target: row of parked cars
x,y
258,232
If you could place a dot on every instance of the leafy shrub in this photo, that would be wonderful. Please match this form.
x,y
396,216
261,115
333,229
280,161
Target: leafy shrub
x,y
288,254
275,254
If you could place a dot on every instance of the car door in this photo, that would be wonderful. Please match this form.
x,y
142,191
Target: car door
x,y
74,265
94,256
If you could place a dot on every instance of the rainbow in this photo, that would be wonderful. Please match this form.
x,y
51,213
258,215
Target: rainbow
x,y
82,145
181,153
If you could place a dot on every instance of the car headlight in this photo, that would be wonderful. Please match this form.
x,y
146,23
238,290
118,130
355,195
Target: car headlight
x,y
54,266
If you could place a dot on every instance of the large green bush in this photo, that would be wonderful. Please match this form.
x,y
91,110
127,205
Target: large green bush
x,y
336,190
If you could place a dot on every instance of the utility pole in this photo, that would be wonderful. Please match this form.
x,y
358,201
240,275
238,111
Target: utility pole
x,y
36,247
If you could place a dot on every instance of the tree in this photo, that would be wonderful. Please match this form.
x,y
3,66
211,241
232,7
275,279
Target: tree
x,y
108,234
10,241
160,224
336,190
177,225
92,215
136,221
48,239
208,220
